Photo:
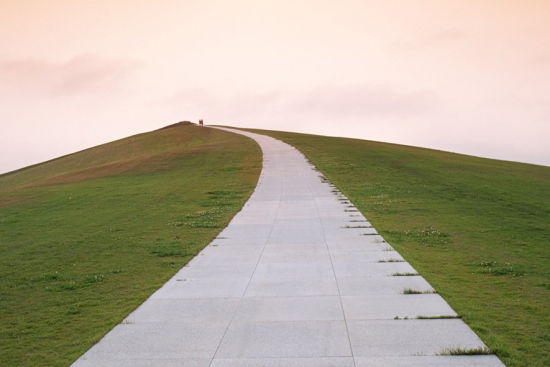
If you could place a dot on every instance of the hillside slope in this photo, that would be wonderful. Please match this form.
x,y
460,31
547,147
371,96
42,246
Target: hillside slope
x,y
477,229
86,238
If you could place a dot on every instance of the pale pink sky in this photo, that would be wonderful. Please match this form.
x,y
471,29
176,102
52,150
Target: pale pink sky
x,y
460,75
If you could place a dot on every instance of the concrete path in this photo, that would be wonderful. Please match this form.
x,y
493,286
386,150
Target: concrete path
x,y
299,278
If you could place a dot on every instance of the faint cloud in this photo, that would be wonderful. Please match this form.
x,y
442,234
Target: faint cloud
x,y
542,59
445,35
237,105
348,101
432,39
81,74
363,101
193,96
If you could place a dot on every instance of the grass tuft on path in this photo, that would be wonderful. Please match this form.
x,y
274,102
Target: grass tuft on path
x,y
86,238
477,229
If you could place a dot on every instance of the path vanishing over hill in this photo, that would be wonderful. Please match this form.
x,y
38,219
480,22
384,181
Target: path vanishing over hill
x,y
298,278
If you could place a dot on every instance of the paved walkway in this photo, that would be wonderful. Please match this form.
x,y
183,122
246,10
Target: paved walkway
x,y
299,278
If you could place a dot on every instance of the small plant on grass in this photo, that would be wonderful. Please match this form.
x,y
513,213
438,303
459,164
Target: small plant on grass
x,y
52,276
169,249
74,309
494,268
424,236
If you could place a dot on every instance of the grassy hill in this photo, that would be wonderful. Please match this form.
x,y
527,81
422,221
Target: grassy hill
x,y
477,229
86,238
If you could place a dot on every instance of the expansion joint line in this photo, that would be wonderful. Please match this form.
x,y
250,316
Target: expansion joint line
x,y
333,273
247,284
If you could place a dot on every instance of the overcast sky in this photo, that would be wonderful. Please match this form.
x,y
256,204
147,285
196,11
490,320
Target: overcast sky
x,y
470,76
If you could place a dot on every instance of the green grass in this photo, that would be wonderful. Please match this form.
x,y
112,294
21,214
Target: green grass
x,y
86,238
477,229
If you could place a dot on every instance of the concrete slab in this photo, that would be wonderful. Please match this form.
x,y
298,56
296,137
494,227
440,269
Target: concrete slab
x,y
385,338
229,286
213,272
318,269
345,256
110,361
296,233
365,269
370,286
289,309
158,341
367,243
388,307
285,286
285,362
252,229
430,361
221,257
285,339
297,245
228,252
302,254
201,310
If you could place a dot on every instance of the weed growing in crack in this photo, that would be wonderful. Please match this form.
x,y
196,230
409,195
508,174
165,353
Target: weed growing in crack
x,y
438,317
391,261
416,291
465,351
